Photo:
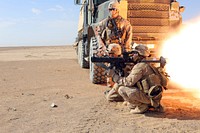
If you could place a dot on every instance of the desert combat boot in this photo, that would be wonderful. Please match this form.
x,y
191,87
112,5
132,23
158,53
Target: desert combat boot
x,y
140,109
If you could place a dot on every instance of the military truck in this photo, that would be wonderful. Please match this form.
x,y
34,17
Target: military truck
x,y
151,20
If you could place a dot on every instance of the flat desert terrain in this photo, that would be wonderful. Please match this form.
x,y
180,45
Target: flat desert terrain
x,y
34,78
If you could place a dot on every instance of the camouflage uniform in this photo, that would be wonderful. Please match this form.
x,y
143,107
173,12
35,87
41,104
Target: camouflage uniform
x,y
124,38
114,30
133,88
127,86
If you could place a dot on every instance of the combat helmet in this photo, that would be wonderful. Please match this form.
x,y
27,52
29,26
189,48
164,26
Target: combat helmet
x,y
113,4
142,50
114,49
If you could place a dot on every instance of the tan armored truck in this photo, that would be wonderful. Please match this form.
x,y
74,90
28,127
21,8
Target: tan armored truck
x,y
151,20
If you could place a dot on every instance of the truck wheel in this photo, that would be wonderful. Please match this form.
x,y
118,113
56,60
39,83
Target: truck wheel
x,y
97,73
81,55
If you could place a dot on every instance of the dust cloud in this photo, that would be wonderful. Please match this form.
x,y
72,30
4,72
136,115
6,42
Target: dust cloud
x,y
182,53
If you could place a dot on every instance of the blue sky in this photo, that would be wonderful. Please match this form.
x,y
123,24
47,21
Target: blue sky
x,y
50,22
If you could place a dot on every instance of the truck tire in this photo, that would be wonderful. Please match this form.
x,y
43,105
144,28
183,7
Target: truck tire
x,y
97,73
81,55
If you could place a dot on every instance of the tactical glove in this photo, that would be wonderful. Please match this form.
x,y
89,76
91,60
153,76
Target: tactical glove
x,y
116,78
110,72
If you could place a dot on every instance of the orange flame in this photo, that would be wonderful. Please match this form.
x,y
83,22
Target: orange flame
x,y
182,52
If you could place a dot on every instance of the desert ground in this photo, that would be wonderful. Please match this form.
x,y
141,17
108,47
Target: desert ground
x,y
33,79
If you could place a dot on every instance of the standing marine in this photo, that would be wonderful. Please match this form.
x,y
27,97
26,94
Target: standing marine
x,y
114,31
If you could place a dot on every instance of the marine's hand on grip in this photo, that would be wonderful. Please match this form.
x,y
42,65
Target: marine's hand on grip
x,y
113,74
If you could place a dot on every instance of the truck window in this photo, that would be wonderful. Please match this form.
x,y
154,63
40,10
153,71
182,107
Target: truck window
x,y
102,12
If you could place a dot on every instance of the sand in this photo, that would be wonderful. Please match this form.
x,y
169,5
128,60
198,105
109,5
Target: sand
x,y
34,78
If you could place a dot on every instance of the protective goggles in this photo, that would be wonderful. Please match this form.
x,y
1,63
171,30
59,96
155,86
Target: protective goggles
x,y
134,52
112,9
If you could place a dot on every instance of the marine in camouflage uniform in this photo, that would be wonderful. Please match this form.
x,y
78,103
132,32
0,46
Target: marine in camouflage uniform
x,y
141,88
117,30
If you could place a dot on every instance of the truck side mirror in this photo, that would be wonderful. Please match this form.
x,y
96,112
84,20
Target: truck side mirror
x,y
80,2
77,2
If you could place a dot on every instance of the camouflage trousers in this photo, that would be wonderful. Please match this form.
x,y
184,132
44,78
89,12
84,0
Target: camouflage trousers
x,y
113,95
133,96
136,97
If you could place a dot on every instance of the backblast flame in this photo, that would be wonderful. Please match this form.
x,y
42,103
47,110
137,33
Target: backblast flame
x,y
182,51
